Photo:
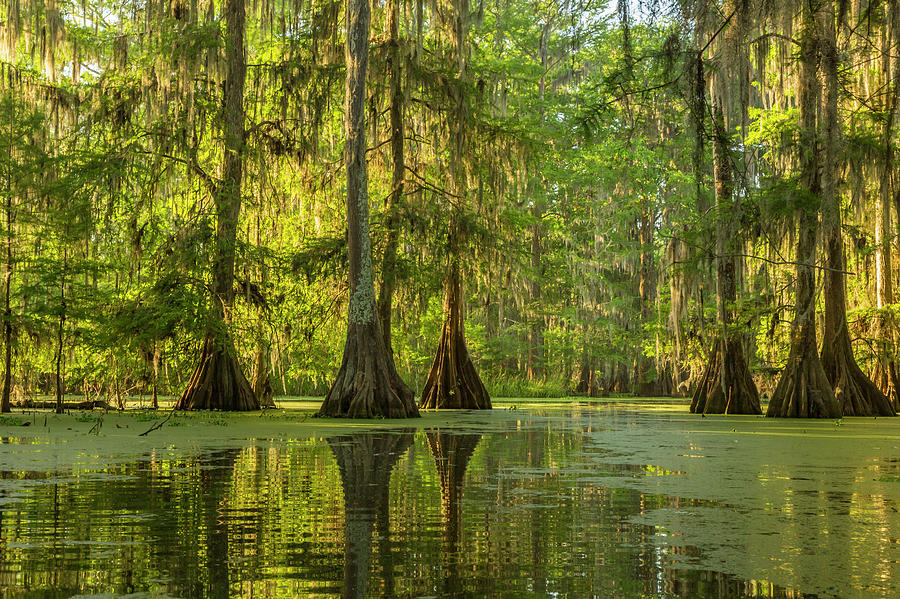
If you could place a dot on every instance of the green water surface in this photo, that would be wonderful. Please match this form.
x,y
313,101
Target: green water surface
x,y
565,499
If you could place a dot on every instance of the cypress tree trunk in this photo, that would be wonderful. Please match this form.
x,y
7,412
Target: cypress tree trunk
x,y
453,382
856,394
803,390
218,381
587,377
535,360
61,333
389,261
726,386
534,366
5,403
260,381
886,376
154,402
367,384
646,380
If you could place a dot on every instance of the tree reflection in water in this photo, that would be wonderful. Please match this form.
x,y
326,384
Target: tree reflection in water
x,y
366,462
213,488
452,452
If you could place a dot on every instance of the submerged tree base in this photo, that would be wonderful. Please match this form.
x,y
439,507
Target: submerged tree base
x,y
218,383
803,390
588,383
262,383
726,386
367,384
453,382
885,377
856,394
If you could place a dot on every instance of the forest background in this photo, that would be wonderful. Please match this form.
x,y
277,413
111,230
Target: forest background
x,y
580,172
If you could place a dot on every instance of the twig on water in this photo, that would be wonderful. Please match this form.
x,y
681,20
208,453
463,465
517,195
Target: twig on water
x,y
157,425
97,425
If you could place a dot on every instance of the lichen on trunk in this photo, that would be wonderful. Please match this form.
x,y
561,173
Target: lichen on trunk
x,y
398,166
367,384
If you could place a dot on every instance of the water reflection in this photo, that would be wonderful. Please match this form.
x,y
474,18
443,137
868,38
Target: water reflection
x,y
366,462
213,489
452,452
578,504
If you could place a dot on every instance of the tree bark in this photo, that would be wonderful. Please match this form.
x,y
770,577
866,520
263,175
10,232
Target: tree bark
x,y
5,400
534,367
367,384
726,386
886,376
856,394
803,391
260,379
646,379
154,402
453,382
587,377
535,360
61,333
389,260
219,382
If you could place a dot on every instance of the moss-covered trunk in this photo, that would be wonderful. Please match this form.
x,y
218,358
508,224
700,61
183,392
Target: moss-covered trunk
x,y
219,382
726,386
367,384
803,390
886,375
5,403
854,391
398,167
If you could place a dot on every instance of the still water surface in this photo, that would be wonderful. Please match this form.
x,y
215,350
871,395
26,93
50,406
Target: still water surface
x,y
612,499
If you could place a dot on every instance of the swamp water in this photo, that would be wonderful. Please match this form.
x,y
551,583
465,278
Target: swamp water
x,y
602,499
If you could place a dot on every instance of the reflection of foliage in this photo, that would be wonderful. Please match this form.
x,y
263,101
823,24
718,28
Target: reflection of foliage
x,y
558,500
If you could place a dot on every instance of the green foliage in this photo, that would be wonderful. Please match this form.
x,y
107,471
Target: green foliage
x,y
564,167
